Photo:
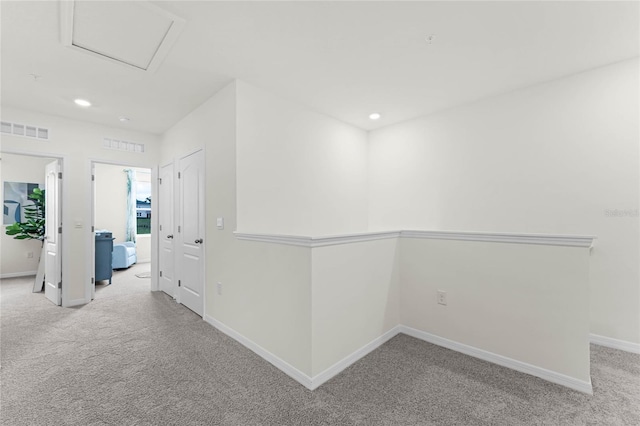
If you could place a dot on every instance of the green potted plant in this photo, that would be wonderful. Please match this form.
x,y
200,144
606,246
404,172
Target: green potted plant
x,y
33,227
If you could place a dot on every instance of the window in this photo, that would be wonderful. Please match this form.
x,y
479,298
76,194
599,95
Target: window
x,y
143,202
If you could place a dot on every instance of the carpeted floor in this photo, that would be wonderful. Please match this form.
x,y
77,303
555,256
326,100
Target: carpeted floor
x,y
132,357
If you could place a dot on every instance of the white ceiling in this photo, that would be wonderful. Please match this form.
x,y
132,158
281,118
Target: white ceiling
x,y
128,31
344,59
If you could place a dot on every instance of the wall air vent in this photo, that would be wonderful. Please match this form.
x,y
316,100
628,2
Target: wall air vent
x,y
119,145
27,131
135,33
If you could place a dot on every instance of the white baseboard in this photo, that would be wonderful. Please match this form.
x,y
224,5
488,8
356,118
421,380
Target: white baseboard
x,y
551,376
345,362
279,363
75,302
610,342
323,377
18,274
291,371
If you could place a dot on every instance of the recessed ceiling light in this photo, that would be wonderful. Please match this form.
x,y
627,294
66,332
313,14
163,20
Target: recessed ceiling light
x,y
374,116
82,103
123,119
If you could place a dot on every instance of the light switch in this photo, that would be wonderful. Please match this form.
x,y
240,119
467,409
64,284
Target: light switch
x,y
220,223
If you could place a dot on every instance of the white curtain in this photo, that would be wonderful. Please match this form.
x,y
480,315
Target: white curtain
x,y
130,234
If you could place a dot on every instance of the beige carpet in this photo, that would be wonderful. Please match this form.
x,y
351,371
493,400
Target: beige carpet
x,y
133,357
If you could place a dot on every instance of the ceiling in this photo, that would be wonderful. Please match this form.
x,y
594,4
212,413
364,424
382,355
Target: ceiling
x,y
343,59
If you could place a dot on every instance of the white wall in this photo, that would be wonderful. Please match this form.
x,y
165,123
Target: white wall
x,y
77,142
524,305
266,298
111,200
552,158
529,303
15,260
299,172
355,298
312,307
265,288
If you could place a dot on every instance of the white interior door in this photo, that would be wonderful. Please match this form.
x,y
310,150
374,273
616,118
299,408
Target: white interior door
x,y
53,230
167,281
191,231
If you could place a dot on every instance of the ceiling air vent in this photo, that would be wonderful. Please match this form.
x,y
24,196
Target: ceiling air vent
x,y
135,33
119,145
27,131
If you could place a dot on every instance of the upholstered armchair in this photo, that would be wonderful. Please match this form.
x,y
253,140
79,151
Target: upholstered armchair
x,y
124,255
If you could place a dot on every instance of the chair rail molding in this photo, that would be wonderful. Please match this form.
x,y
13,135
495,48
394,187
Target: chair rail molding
x,y
584,241
539,239
312,242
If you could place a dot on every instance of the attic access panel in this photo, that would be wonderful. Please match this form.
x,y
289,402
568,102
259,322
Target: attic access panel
x,y
135,33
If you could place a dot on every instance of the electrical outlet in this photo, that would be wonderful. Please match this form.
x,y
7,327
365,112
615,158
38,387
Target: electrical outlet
x,y
30,255
219,288
442,297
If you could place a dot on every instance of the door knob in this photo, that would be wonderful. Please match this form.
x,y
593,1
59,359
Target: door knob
x,y
199,241
170,237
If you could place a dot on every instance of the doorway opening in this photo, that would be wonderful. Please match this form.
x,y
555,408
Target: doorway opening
x,y
122,228
32,203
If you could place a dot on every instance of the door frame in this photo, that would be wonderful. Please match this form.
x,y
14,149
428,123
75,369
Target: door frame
x,y
64,217
90,217
174,212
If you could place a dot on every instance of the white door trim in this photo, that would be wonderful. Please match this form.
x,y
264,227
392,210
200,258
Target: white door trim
x,y
90,217
64,214
154,229
171,185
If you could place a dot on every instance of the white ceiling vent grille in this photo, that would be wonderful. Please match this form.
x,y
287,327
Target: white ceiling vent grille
x,y
119,145
135,33
26,131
